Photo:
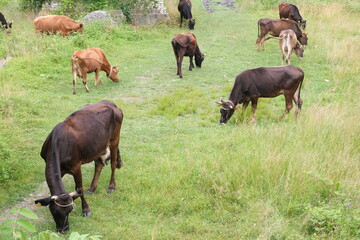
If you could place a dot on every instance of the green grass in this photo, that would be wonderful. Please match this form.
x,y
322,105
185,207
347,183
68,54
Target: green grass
x,y
184,176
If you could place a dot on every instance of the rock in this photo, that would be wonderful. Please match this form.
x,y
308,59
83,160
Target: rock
x,y
98,16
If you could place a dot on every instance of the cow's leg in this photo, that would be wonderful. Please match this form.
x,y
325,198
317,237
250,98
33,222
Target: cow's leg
x,y
177,59
253,109
74,80
115,163
288,104
84,82
298,101
97,78
191,63
181,19
180,60
288,56
79,188
98,167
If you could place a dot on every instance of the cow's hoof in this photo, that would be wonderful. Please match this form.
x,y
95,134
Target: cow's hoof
x,y
87,213
181,76
110,190
89,191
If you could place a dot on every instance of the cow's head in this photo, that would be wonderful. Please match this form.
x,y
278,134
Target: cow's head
x,y
299,51
113,75
199,58
79,28
60,206
191,24
303,39
227,109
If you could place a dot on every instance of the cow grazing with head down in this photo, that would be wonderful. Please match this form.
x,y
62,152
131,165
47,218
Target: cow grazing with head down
x,y
81,138
264,82
290,11
184,8
4,23
274,27
53,24
91,60
288,44
185,44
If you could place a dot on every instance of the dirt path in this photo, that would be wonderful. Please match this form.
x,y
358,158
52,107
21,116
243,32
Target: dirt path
x,y
215,5
4,60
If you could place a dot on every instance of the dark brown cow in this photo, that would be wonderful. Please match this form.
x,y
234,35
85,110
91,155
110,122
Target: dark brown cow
x,y
290,11
91,60
267,82
185,44
274,27
184,8
4,23
57,24
81,138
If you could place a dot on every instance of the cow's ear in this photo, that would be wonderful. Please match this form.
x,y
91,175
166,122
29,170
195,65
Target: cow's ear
x,y
43,201
81,25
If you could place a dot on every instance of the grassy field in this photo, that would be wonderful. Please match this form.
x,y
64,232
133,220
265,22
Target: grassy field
x,y
184,175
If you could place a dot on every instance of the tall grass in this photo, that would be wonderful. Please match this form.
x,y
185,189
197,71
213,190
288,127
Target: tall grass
x,y
184,176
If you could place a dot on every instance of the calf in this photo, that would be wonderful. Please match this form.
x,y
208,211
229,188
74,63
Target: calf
x,y
184,8
185,44
81,138
266,82
288,43
4,23
290,11
274,27
88,61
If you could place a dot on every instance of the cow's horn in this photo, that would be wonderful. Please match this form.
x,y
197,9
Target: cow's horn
x,y
72,194
54,197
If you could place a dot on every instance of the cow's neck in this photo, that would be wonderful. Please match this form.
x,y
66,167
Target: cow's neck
x,y
53,177
106,67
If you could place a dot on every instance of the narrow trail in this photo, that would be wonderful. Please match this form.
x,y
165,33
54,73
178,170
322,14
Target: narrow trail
x,y
215,5
5,60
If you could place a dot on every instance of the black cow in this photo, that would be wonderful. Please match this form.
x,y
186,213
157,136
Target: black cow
x,y
184,8
185,44
4,23
82,137
266,82
290,11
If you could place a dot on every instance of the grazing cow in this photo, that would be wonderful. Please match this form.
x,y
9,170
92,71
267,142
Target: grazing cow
x,y
185,44
288,43
266,82
290,11
81,138
53,24
274,27
4,23
184,8
91,60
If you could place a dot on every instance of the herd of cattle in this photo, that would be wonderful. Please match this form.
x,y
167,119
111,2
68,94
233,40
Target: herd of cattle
x,y
93,132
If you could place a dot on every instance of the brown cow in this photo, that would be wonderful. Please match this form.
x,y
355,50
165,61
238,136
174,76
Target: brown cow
x,y
91,60
290,11
185,44
264,82
81,138
53,24
288,43
274,27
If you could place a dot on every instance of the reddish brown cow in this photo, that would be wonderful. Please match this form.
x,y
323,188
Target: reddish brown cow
x,y
185,44
274,27
81,138
88,61
57,24
290,11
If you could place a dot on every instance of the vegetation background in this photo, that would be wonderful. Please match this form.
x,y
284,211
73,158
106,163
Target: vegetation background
x,y
186,177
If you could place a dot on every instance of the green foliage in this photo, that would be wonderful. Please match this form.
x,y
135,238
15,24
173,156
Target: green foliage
x,y
33,5
340,220
19,228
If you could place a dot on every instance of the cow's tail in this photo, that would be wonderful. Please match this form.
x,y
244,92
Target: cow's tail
x,y
299,103
118,162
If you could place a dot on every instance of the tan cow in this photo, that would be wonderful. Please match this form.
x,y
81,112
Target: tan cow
x,y
57,24
88,61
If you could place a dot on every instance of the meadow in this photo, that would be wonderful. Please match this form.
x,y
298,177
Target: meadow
x,y
184,175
